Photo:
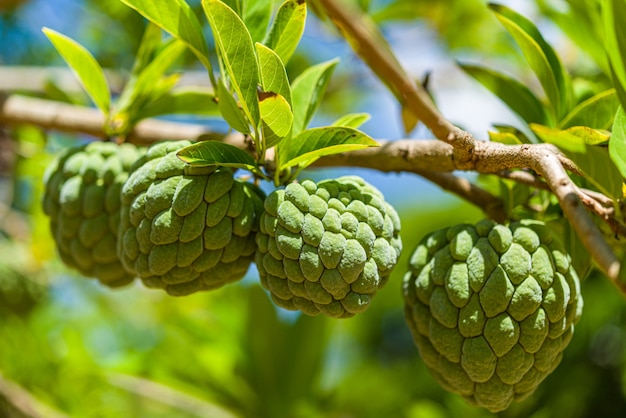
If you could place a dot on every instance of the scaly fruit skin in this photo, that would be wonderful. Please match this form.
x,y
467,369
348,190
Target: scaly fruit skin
x,y
183,228
491,308
327,247
82,198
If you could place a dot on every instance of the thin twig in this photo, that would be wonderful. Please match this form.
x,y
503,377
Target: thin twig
x,y
24,403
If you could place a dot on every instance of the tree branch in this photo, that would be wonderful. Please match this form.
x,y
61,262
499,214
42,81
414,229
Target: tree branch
x,y
23,403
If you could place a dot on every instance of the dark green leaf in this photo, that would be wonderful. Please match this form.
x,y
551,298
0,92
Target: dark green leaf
x,y
177,18
303,149
617,143
84,66
514,94
229,109
594,161
276,117
287,28
596,112
216,153
543,60
184,101
236,51
307,91
273,75
256,16
352,120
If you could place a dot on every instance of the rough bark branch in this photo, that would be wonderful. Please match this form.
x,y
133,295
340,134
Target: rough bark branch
x,y
470,154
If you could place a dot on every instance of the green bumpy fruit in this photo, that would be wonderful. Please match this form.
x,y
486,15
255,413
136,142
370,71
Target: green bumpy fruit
x,y
82,199
491,308
184,228
327,247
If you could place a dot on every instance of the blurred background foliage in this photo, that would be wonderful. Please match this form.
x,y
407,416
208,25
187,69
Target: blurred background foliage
x,y
69,347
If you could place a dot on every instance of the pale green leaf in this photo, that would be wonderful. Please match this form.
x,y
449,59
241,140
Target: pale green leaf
x,y
149,45
273,75
307,91
596,112
276,118
312,144
216,153
352,120
229,109
543,60
183,101
178,19
617,143
593,161
236,51
507,138
287,28
84,66
256,16
514,94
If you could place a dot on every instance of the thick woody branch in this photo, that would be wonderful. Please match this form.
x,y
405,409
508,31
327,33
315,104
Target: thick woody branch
x,y
470,154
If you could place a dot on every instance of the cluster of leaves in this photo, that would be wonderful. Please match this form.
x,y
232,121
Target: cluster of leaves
x,y
252,91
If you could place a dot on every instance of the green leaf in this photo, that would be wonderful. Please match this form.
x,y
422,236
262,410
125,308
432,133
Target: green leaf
x,y
507,138
543,60
614,13
273,75
216,153
229,109
352,120
235,48
594,161
596,112
303,149
276,118
617,143
185,101
84,66
178,19
149,45
307,91
521,136
143,85
287,28
256,16
514,94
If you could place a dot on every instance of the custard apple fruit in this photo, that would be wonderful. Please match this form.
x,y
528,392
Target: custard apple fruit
x,y
327,247
82,199
491,308
185,228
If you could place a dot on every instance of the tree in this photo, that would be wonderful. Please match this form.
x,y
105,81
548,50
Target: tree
x,y
563,165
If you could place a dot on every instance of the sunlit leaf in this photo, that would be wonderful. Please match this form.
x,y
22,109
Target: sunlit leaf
x,y
229,109
235,48
596,112
594,161
177,18
352,120
543,60
514,94
507,138
84,66
307,91
617,143
312,144
287,28
276,118
614,13
273,75
216,153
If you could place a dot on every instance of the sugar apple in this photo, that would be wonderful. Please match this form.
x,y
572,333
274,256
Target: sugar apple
x,y
184,228
491,308
327,247
82,199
